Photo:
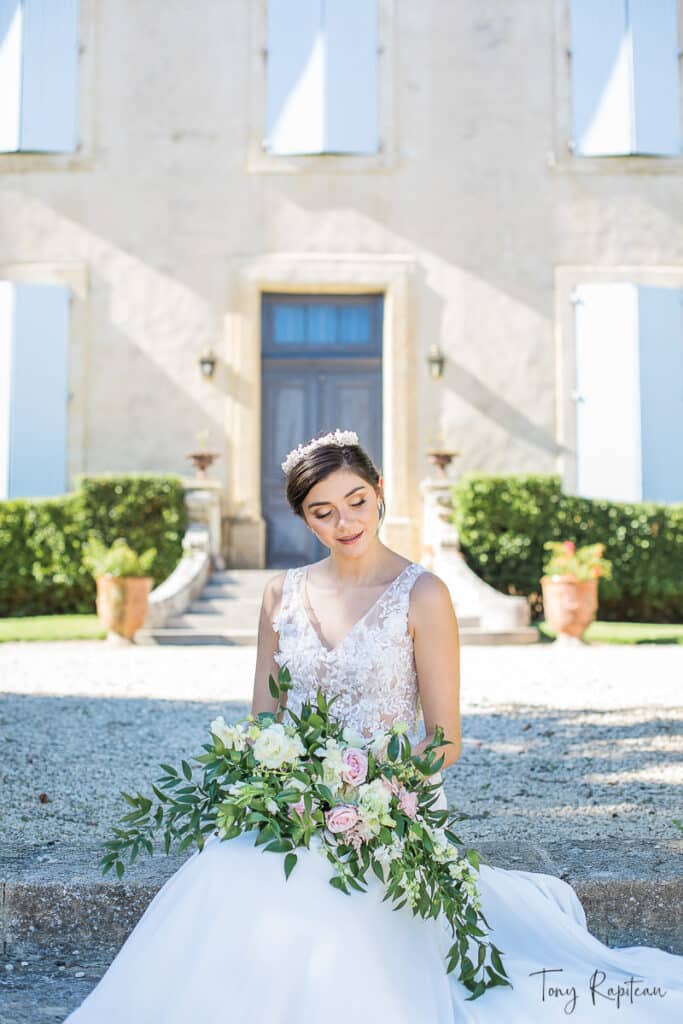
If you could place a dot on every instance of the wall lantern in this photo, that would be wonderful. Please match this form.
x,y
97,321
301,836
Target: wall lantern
x,y
207,364
436,360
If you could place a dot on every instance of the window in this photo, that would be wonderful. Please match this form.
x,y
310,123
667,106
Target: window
x,y
34,344
625,77
629,391
321,90
39,44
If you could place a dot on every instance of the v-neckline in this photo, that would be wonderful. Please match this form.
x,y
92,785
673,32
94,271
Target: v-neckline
x,y
323,645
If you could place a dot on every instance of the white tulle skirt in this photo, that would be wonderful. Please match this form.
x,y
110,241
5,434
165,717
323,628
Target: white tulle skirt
x,y
228,938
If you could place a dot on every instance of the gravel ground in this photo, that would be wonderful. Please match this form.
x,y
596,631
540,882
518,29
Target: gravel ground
x,y
558,742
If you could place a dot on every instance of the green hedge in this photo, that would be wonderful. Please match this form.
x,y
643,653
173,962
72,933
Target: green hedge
x,y
504,520
41,538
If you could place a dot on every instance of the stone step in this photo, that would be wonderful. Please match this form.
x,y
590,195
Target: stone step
x,y
227,612
62,922
61,903
197,630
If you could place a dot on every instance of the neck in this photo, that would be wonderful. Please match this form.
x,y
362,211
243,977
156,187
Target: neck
x,y
362,569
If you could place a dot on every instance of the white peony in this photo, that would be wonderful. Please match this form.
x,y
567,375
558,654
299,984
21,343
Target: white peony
x,y
231,736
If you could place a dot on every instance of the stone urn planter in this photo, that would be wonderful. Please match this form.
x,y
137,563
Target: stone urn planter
x,y
441,458
123,586
570,587
202,461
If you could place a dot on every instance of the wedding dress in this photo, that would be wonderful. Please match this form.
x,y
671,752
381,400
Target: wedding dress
x,y
228,938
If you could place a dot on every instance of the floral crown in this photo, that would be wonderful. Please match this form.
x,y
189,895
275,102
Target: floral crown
x,y
338,437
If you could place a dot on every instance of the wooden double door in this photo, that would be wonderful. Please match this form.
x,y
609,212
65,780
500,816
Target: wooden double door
x,y
321,369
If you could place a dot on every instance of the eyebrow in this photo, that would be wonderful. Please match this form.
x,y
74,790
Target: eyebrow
x,y
359,488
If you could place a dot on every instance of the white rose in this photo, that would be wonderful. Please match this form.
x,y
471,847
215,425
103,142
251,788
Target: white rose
x,y
353,738
332,765
296,747
231,736
379,745
274,747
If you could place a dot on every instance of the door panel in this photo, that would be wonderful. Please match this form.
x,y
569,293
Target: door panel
x,y
321,370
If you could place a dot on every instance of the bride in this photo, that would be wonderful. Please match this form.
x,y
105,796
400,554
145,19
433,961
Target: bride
x,y
228,938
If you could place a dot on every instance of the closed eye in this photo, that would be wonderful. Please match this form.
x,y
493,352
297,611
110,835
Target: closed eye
x,y
356,504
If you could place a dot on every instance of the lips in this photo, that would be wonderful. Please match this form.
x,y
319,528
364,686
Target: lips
x,y
350,540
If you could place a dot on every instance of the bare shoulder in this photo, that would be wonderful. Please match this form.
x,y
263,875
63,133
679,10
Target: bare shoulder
x,y
430,600
272,594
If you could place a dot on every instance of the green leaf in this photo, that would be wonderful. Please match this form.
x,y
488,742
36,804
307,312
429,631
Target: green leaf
x,y
120,868
290,862
274,688
168,769
278,846
187,771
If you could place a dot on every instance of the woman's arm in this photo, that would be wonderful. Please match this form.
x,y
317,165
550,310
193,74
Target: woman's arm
x,y
436,641
262,700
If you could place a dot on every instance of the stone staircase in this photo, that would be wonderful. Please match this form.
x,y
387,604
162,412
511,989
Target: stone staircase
x,y
227,612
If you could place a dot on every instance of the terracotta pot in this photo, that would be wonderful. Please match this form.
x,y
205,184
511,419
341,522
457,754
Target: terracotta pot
x,y
441,458
122,603
569,604
202,461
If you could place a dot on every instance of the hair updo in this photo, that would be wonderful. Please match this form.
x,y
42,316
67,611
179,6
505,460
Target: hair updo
x,y
322,461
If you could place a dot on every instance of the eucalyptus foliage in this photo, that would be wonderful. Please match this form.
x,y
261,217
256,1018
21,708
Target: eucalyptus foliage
x,y
286,792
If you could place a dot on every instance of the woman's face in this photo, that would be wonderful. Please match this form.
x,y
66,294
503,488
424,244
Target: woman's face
x,y
341,510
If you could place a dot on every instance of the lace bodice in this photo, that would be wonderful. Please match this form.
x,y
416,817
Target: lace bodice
x,y
372,668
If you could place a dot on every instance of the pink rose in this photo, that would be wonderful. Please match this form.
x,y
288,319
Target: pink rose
x,y
568,545
407,802
391,784
355,766
299,807
341,818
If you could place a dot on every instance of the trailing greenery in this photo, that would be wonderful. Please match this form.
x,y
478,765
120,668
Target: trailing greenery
x,y
504,521
42,539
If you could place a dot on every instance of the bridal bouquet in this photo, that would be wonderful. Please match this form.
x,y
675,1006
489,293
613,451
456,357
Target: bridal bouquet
x,y
368,803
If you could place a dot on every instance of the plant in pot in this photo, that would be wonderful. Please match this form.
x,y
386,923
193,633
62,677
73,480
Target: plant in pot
x,y
570,586
123,585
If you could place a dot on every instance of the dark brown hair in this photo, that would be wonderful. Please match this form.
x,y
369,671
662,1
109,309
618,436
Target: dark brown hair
x,y
322,461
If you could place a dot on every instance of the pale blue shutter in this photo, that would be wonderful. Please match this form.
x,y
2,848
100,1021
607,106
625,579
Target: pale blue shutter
x,y
295,77
625,77
10,74
601,77
656,115
661,392
351,108
321,88
6,347
608,446
35,347
50,75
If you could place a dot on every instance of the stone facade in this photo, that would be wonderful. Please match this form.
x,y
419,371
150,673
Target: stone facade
x,y
475,219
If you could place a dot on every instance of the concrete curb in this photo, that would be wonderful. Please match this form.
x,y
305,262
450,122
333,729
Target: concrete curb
x,y
61,900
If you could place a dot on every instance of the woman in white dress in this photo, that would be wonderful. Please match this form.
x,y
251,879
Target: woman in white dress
x,y
228,938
